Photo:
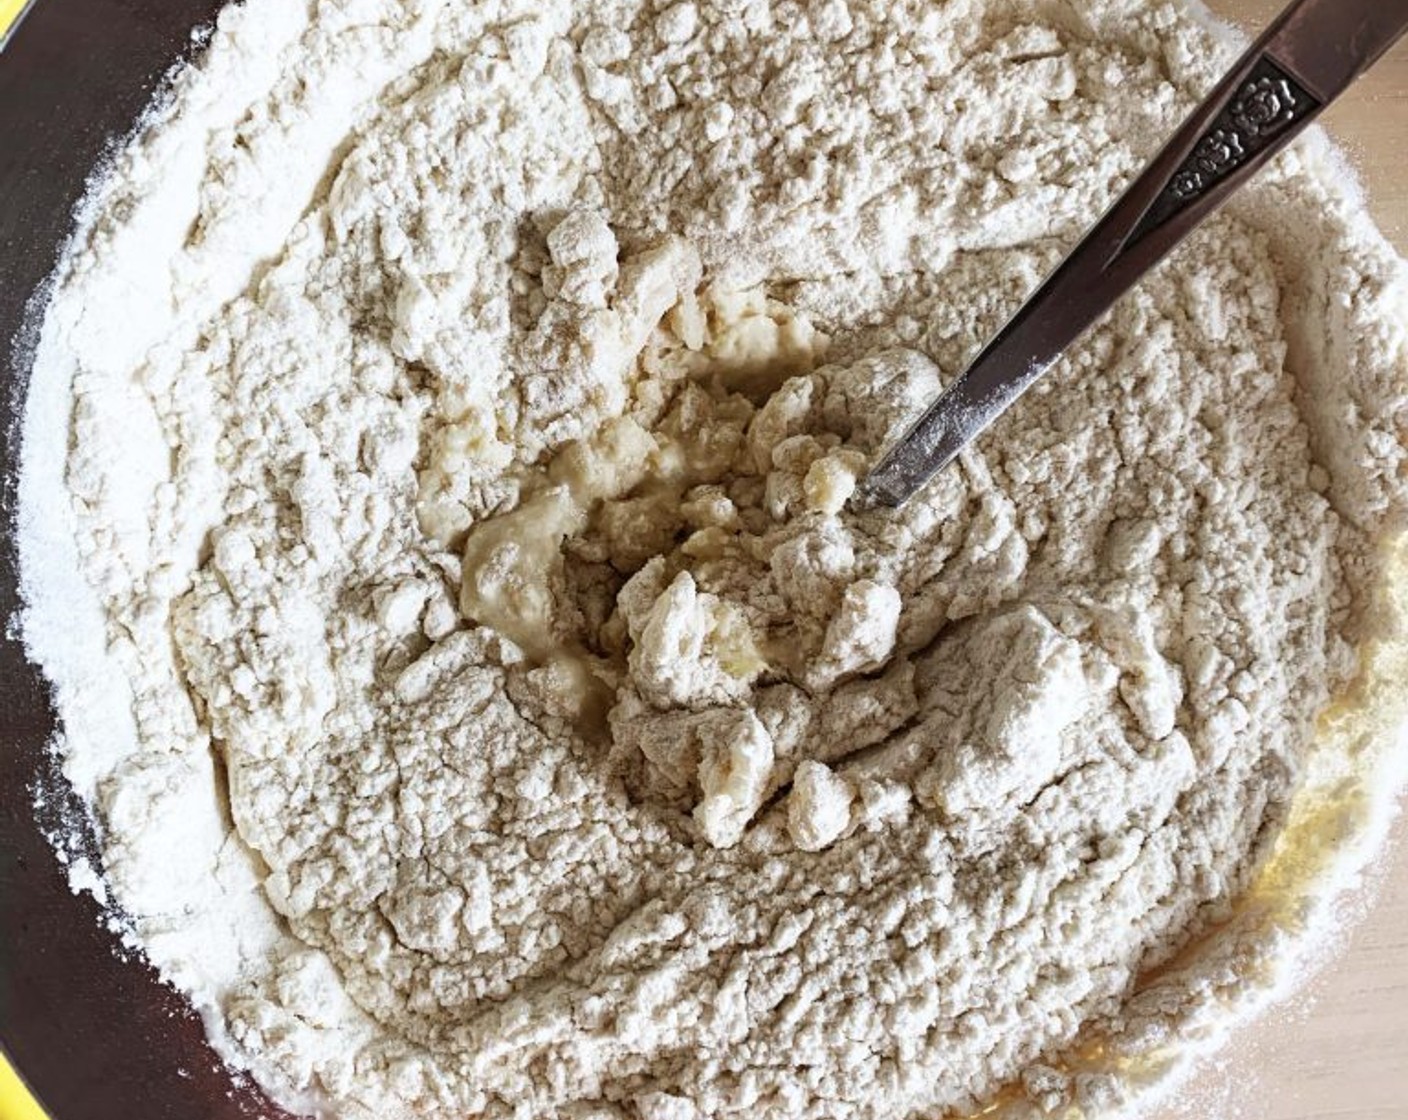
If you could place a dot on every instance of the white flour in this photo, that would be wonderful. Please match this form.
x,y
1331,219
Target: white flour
x,y
434,526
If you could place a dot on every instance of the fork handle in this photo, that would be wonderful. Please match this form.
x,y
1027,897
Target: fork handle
x,y
1313,52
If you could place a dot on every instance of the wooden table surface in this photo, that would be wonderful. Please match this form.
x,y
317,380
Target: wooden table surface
x,y
1339,1051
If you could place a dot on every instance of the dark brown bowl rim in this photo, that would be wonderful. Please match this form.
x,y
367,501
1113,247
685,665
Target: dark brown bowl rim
x,y
90,1029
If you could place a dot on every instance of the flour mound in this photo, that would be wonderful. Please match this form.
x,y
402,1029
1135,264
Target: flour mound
x,y
492,702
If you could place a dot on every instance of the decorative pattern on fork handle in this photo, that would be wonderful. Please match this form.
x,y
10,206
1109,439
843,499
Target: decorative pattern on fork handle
x,y
1269,103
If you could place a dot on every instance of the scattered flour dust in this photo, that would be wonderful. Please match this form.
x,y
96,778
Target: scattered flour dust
x,y
435,529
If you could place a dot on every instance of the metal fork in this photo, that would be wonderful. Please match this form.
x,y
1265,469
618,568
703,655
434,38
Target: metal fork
x,y
1309,56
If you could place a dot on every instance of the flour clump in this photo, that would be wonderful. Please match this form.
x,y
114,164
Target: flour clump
x,y
565,738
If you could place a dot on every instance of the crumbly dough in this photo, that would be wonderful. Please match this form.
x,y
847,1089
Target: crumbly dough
x,y
595,757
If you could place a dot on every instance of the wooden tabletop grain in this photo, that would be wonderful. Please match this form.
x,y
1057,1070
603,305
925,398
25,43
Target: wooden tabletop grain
x,y
1339,1051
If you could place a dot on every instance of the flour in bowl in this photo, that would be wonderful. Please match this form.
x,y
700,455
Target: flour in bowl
x,y
437,533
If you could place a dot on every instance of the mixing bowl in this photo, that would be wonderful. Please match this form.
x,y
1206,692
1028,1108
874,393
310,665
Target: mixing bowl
x,y
92,1029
